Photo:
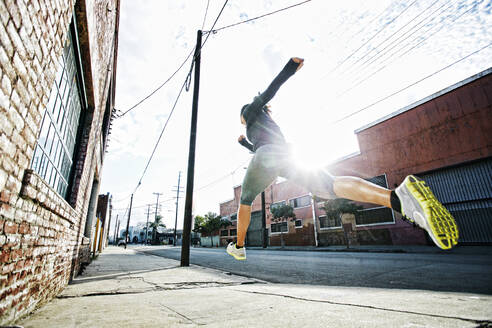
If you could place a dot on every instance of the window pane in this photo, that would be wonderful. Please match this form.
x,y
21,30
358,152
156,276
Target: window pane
x,y
36,160
43,134
50,138
56,142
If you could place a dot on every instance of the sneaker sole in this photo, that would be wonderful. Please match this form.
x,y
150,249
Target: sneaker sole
x,y
440,223
239,258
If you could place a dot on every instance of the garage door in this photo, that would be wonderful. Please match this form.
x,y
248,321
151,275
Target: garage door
x,y
466,191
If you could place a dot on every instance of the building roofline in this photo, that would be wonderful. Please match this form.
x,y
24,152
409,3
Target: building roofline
x,y
343,158
426,99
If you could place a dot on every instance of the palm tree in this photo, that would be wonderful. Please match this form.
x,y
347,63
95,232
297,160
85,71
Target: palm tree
x,y
209,224
155,225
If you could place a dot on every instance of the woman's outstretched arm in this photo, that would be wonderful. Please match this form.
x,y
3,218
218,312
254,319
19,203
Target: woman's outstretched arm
x,y
292,66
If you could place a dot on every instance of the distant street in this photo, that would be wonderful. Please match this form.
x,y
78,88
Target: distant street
x,y
438,272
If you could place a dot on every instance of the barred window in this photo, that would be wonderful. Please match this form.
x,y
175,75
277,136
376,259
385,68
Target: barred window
x,y
233,232
377,215
53,156
279,227
273,205
224,233
298,223
332,221
300,201
380,180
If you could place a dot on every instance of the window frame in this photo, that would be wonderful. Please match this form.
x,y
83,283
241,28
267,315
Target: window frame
x,y
278,223
54,167
328,228
377,224
295,198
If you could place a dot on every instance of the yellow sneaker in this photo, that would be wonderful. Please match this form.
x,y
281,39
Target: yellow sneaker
x,y
421,207
238,253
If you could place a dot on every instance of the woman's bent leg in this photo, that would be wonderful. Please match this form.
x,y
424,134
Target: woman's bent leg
x,y
360,190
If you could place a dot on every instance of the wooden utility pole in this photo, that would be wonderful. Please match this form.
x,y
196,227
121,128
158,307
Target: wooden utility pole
x,y
147,225
177,203
263,220
185,249
128,221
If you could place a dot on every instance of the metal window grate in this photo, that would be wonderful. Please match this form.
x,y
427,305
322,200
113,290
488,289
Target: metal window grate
x,y
53,156
332,221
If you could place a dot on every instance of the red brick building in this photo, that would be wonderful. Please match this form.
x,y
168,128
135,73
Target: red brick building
x,y
57,73
445,138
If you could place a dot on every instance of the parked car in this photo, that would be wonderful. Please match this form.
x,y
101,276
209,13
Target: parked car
x,y
121,242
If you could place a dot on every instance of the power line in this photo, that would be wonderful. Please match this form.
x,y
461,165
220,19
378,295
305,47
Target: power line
x,y
141,206
360,79
213,25
185,83
354,52
222,177
353,66
205,16
411,85
372,20
257,17
375,57
176,71
159,87
160,136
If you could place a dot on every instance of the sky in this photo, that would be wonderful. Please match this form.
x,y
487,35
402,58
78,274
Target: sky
x,y
356,53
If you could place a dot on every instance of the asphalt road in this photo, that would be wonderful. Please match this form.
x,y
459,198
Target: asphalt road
x,y
438,272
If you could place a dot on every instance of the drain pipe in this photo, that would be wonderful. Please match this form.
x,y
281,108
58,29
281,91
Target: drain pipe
x,y
314,220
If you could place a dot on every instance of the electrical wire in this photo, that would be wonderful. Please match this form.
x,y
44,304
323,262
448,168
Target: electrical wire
x,y
212,31
408,86
176,101
159,87
222,177
354,65
141,206
205,16
371,60
360,79
160,136
366,42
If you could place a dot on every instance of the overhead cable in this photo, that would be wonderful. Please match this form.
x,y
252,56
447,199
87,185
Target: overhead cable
x,y
361,79
160,136
185,84
257,17
159,87
366,42
411,85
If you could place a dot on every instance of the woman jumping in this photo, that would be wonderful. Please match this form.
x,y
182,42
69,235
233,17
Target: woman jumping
x,y
272,158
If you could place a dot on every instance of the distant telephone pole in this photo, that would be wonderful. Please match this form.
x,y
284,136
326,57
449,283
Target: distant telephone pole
x,y
147,225
178,190
116,227
156,208
128,221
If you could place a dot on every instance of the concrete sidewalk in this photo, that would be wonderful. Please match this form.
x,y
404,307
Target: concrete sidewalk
x,y
125,288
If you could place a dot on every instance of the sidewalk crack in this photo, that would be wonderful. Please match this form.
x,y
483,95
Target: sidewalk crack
x,y
480,323
183,316
160,287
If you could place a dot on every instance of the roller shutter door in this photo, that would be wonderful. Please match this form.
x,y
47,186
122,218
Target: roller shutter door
x,y
466,191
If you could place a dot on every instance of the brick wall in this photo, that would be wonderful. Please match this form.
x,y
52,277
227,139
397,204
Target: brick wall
x,y
41,234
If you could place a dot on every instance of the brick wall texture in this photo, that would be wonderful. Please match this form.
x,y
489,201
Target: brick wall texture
x,y
41,234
